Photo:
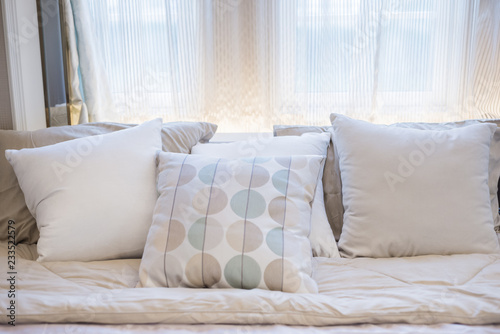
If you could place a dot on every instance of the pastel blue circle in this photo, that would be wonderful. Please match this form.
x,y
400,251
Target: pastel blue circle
x,y
274,240
280,180
206,174
248,204
249,278
196,234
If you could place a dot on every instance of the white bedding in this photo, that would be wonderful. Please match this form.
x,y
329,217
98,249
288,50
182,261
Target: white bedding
x,y
463,289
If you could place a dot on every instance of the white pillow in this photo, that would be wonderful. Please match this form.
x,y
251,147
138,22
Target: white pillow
x,y
410,192
93,197
232,223
321,235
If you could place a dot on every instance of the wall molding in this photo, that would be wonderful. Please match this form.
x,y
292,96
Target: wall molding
x,y
24,64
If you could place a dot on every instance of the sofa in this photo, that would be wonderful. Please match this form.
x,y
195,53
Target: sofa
x,y
349,228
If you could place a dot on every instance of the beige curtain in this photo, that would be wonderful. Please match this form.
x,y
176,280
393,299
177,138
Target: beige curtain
x,y
249,64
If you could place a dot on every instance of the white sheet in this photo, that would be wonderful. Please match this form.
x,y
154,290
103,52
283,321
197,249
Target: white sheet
x,y
461,289
252,329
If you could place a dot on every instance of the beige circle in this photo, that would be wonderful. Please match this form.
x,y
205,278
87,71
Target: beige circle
x,y
279,271
173,271
251,232
223,176
168,237
211,274
258,174
175,235
187,174
279,207
213,198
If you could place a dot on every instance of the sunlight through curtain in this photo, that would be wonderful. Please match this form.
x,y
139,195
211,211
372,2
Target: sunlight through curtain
x,y
249,64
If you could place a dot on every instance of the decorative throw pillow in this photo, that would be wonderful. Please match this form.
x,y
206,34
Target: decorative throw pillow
x,y
238,223
176,137
93,197
410,192
332,187
494,162
332,184
320,235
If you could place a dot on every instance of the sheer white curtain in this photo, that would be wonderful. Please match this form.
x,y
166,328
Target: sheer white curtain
x,y
249,64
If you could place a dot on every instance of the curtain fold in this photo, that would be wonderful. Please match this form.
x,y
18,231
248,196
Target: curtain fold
x,y
78,112
249,64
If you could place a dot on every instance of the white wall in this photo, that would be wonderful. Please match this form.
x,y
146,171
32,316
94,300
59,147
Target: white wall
x,y
24,64
5,106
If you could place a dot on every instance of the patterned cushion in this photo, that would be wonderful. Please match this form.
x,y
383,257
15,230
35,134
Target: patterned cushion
x,y
239,223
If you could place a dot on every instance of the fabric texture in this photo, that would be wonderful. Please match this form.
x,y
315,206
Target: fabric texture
x,y
252,329
332,183
494,161
92,197
409,192
460,289
176,137
238,223
321,237
248,64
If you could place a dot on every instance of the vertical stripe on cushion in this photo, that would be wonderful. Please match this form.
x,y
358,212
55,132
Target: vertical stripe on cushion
x,y
206,224
245,221
170,219
283,227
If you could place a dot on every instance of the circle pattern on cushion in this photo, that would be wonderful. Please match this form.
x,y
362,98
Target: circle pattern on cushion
x,y
212,198
244,233
258,175
248,204
211,273
282,275
274,240
187,174
205,233
234,223
242,272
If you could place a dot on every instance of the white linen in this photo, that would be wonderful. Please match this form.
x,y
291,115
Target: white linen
x,y
252,329
92,197
431,289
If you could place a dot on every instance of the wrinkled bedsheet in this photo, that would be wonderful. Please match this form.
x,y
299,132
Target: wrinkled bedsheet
x,y
424,290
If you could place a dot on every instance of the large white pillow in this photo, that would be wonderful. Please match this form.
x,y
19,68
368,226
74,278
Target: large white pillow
x,y
93,197
232,223
410,192
321,236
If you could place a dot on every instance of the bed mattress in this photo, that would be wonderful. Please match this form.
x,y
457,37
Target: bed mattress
x,y
424,290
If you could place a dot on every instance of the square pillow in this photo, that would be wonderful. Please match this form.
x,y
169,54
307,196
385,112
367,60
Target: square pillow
x,y
332,184
321,236
409,192
92,197
176,137
232,223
